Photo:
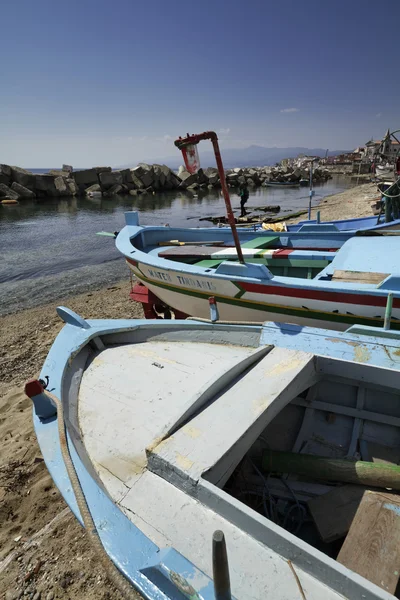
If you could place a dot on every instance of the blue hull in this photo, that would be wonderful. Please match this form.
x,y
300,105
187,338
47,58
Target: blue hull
x,y
349,225
147,566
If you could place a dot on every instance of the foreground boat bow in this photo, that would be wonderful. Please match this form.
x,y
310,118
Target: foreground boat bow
x,y
161,417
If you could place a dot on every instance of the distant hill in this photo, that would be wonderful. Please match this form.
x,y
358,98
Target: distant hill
x,y
253,156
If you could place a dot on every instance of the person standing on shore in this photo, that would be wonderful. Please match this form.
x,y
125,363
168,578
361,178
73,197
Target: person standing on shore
x,y
244,196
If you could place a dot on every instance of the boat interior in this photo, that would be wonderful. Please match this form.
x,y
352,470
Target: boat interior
x,y
210,426
353,263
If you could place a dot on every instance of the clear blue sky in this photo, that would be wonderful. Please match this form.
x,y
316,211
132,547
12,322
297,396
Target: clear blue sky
x,y
99,82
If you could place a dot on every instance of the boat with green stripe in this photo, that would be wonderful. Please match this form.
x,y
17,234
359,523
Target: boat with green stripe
x,y
326,279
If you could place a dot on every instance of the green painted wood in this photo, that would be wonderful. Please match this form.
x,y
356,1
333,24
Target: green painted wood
x,y
288,262
208,263
261,242
332,469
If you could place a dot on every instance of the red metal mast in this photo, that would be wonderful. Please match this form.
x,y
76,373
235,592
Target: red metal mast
x,y
194,139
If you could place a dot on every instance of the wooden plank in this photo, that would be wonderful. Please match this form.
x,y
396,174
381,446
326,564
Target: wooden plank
x,y
333,513
372,546
359,276
357,423
349,411
261,242
215,252
199,243
216,439
189,252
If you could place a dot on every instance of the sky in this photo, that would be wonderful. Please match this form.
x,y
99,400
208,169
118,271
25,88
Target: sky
x,y
95,82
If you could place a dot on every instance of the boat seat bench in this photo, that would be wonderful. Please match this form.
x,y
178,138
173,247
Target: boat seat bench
x,y
359,276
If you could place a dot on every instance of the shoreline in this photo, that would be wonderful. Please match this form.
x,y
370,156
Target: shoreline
x,y
68,567
352,203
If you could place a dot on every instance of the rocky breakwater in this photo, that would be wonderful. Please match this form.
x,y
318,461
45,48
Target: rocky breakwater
x,y
17,184
295,175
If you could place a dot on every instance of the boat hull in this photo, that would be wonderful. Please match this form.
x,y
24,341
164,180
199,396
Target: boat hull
x,y
241,301
148,386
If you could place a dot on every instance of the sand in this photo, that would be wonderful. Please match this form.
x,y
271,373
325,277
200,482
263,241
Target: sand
x,y
354,202
59,563
28,498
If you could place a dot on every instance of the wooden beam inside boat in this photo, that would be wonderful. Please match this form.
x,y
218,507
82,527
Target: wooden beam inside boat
x,y
349,411
232,424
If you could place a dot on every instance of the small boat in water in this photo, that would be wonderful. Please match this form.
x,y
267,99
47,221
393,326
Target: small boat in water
x,y
282,184
282,277
161,435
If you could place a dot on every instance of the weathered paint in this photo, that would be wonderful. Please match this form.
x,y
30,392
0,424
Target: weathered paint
x,y
262,296
134,544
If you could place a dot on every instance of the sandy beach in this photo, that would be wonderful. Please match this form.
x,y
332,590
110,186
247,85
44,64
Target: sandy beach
x,y
44,552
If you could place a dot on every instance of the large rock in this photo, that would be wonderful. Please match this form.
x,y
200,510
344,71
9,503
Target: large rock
x,y
5,174
6,192
147,178
159,178
212,175
114,190
72,187
45,186
181,170
232,178
93,188
126,176
61,186
187,179
23,177
145,173
59,173
86,177
102,169
109,179
136,181
22,191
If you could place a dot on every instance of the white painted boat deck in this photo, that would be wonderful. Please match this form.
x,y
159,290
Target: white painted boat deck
x,y
118,419
132,395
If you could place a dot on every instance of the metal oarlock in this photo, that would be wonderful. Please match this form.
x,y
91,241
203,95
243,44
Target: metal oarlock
x,y
222,584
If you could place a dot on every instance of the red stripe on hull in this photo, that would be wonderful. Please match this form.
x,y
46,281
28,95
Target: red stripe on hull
x,y
344,297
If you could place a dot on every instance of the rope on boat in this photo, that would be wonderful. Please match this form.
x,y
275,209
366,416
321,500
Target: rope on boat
x,y
385,193
114,575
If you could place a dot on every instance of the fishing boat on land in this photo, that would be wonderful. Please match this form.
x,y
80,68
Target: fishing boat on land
x,y
352,225
167,437
282,277
283,184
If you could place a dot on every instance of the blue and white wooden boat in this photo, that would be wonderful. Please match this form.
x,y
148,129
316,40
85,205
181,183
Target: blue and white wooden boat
x,y
280,280
164,418
351,225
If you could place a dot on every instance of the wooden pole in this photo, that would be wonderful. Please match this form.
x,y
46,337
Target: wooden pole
x,y
333,469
